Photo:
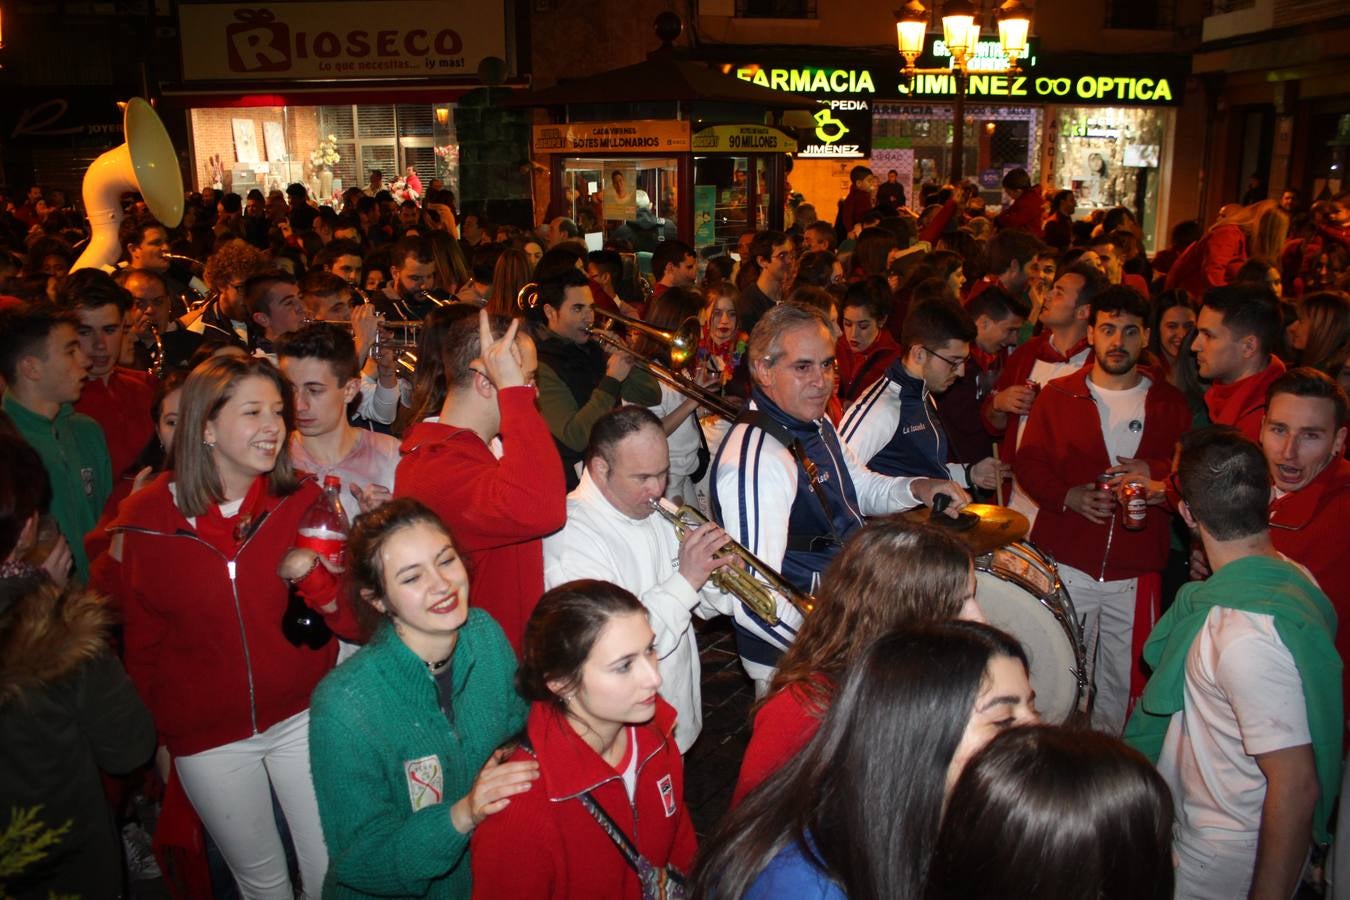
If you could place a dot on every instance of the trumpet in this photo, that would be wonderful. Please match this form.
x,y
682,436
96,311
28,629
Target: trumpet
x,y
756,593
403,345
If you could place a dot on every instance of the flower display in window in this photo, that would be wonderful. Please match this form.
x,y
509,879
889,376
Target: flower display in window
x,y
326,154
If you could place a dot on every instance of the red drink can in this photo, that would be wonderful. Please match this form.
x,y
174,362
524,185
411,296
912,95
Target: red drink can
x,y
1104,481
1034,387
1133,504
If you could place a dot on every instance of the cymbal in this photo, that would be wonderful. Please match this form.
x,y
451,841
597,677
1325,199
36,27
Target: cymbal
x,y
982,527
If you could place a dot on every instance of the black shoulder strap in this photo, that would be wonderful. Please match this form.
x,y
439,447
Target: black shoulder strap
x,y
759,419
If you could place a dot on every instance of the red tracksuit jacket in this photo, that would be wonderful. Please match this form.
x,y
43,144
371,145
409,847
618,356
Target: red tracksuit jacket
x,y
1306,527
498,510
1063,446
546,845
203,631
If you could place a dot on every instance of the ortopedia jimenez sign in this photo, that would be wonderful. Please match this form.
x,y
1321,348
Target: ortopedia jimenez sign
x,y
409,39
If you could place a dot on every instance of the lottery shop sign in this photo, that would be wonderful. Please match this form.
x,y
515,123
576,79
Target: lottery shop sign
x,y
409,39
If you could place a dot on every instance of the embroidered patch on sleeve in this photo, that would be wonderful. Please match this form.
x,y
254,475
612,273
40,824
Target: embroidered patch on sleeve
x,y
667,790
426,781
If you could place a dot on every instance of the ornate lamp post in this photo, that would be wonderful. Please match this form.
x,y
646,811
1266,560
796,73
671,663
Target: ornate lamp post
x,y
961,32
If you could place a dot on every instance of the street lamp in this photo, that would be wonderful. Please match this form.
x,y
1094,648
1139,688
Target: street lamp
x,y
961,32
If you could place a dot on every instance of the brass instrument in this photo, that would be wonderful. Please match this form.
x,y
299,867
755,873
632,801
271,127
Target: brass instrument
x,y
157,352
683,343
403,345
756,593
436,298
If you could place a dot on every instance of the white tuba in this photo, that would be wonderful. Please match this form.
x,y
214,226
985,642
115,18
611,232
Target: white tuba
x,y
146,163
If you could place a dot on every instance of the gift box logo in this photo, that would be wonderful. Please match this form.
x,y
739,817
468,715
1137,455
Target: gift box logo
x,y
257,42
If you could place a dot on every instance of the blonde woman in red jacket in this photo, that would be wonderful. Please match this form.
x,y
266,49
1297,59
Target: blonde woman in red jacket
x,y
601,734
199,561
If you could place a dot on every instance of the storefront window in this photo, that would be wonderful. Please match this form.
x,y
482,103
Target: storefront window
x,y
721,195
915,140
1108,156
630,202
270,147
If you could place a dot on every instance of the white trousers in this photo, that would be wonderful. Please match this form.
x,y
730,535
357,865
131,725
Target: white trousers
x,y
1212,870
1106,609
230,787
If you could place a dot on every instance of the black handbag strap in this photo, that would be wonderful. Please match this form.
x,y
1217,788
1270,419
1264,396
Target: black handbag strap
x,y
630,852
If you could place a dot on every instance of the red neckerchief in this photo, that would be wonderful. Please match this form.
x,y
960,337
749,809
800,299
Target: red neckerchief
x,y
984,360
1046,351
226,534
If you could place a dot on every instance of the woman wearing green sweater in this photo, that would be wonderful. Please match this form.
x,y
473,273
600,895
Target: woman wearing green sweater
x,y
404,735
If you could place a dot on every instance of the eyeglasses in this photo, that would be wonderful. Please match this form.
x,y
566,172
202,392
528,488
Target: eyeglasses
x,y
954,363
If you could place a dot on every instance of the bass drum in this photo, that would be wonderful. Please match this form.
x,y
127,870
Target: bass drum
x,y
1020,592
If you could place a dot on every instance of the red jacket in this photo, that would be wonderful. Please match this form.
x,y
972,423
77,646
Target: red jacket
x,y
1026,212
858,370
1210,262
938,224
204,646
1242,404
1016,371
546,845
783,726
122,409
1063,447
1305,526
498,510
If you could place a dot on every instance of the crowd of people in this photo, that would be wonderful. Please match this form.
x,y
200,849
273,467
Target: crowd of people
x,y
478,674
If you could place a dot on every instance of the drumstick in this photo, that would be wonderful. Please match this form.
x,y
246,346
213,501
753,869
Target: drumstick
x,y
998,480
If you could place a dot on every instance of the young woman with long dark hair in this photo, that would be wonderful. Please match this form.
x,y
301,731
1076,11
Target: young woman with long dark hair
x,y
891,574
604,741
405,733
200,560
856,813
1052,812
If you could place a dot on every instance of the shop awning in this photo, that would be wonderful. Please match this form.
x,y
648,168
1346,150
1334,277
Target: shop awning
x,y
662,78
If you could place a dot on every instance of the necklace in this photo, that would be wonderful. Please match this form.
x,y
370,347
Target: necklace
x,y
435,667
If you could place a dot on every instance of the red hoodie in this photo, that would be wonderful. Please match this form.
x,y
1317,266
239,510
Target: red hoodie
x,y
498,510
203,629
1063,447
1305,526
546,845
1210,262
1242,404
1027,212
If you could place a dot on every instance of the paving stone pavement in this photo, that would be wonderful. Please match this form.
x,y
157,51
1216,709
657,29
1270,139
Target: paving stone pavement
x,y
711,766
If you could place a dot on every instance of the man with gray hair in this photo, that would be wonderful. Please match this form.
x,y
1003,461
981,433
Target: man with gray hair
x,y
784,485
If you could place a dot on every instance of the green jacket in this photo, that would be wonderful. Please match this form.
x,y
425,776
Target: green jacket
x,y
379,745
1306,624
75,454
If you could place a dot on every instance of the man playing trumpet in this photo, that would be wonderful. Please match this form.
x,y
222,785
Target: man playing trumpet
x,y
612,534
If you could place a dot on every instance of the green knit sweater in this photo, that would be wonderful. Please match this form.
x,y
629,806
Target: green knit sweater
x,y
387,764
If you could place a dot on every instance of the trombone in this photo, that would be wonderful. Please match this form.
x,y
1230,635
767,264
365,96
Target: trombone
x,y
683,343
756,593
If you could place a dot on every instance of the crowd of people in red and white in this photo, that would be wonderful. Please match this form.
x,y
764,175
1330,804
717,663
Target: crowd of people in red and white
x,y
337,553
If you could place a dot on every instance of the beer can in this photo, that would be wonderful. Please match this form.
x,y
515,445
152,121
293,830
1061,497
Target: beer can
x,y
1104,480
1133,504
1034,387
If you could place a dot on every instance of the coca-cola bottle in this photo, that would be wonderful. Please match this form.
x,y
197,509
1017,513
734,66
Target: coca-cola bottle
x,y
323,529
